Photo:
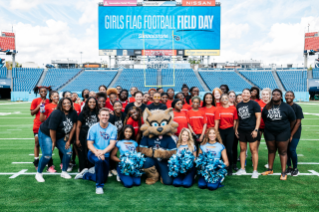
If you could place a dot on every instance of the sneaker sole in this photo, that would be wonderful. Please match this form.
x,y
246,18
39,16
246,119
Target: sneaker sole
x,y
295,175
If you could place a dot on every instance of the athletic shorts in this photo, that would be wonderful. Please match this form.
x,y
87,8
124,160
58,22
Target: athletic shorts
x,y
277,136
35,134
245,136
262,130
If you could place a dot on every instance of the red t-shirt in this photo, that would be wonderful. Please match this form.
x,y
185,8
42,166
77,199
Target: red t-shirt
x,y
131,99
82,103
49,108
134,123
181,119
226,117
169,103
149,102
77,108
34,104
190,102
210,115
108,105
124,105
218,104
186,107
196,119
262,104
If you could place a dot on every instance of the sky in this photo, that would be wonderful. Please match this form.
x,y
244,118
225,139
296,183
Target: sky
x,y
270,31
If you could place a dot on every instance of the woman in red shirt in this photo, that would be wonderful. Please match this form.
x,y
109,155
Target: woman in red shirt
x,y
209,109
217,95
254,92
134,118
35,110
186,107
133,90
197,121
112,94
170,93
124,98
85,95
225,120
179,115
232,99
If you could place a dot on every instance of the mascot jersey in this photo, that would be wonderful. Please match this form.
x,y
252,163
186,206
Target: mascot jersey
x,y
181,147
126,146
215,148
166,143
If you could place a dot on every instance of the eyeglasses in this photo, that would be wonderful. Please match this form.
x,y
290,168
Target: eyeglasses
x,y
156,97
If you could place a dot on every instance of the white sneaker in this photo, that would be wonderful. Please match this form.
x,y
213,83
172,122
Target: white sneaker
x,y
114,172
110,174
81,174
39,177
266,166
241,171
255,174
70,167
99,191
118,178
92,170
65,175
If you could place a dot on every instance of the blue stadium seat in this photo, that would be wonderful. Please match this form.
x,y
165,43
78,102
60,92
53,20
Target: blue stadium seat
x,y
315,73
58,77
25,79
294,80
3,72
263,79
91,80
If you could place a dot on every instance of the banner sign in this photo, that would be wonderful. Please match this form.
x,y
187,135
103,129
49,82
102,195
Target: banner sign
x,y
159,3
159,28
199,3
107,52
120,3
159,52
5,83
202,52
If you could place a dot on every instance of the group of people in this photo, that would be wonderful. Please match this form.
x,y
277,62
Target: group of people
x,y
99,127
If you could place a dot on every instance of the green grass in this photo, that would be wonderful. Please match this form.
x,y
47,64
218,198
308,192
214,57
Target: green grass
x,y
241,193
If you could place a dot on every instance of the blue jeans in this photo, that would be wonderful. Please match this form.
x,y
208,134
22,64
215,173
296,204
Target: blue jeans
x,y
186,180
292,154
161,167
127,180
211,186
102,168
46,148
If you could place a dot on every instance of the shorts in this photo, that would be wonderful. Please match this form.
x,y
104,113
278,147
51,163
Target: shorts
x,y
262,130
277,136
245,136
35,134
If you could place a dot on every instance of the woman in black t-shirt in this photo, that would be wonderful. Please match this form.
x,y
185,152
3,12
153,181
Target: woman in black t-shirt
x,y
118,118
57,131
279,119
87,118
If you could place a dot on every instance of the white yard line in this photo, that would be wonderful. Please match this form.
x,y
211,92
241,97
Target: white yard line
x,y
16,138
6,114
21,162
39,154
19,173
307,163
314,114
17,103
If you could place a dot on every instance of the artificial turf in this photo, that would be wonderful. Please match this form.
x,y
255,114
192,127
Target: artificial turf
x,y
240,193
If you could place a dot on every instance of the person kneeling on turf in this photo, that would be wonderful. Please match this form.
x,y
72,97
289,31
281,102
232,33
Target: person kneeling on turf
x,y
101,140
157,144
125,144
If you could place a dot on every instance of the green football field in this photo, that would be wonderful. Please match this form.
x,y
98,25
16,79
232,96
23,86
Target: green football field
x,y
19,191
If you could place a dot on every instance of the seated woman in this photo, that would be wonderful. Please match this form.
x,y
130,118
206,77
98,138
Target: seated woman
x,y
212,143
126,144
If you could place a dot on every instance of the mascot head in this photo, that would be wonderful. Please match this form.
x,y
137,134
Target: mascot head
x,y
158,123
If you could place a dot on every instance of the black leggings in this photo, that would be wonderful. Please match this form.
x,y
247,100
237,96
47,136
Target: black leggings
x,y
227,136
235,150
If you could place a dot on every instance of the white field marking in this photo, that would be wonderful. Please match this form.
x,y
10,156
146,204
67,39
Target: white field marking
x,y
39,154
17,103
16,138
314,172
303,103
25,118
307,163
21,162
6,114
300,155
314,114
301,139
19,173
17,125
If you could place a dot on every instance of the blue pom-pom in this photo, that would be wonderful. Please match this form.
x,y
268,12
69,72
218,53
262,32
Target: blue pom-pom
x,y
180,163
211,168
132,163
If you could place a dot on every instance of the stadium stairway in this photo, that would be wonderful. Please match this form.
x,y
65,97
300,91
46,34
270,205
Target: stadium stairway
x,y
115,78
244,78
71,80
201,81
159,77
278,81
44,73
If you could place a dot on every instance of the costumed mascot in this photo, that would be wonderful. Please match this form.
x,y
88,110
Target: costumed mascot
x,y
157,144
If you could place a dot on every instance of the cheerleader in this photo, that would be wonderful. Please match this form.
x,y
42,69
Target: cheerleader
x,y
185,141
212,143
126,144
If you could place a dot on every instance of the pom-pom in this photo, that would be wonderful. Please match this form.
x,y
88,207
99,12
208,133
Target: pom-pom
x,y
132,163
211,168
180,163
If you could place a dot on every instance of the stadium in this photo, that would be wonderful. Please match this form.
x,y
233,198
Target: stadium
x,y
152,45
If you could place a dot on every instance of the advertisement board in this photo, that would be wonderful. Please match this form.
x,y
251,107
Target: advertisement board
x,y
159,28
159,3
120,3
107,52
159,52
199,3
202,52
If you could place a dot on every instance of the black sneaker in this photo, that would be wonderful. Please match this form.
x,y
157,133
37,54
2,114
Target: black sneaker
x,y
295,172
36,163
289,170
235,168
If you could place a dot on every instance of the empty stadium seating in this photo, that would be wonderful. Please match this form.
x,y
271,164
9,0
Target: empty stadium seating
x,y
214,79
3,72
91,80
135,77
263,79
315,73
182,76
58,77
25,79
293,80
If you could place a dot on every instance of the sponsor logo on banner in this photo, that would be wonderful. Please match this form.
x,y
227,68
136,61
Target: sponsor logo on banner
x,y
123,3
107,52
159,52
159,3
202,52
199,3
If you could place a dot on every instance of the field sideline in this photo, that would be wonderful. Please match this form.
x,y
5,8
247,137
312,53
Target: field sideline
x,y
241,193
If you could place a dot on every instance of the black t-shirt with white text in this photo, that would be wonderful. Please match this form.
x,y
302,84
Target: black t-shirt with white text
x,y
246,115
117,121
59,122
299,115
277,119
87,122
